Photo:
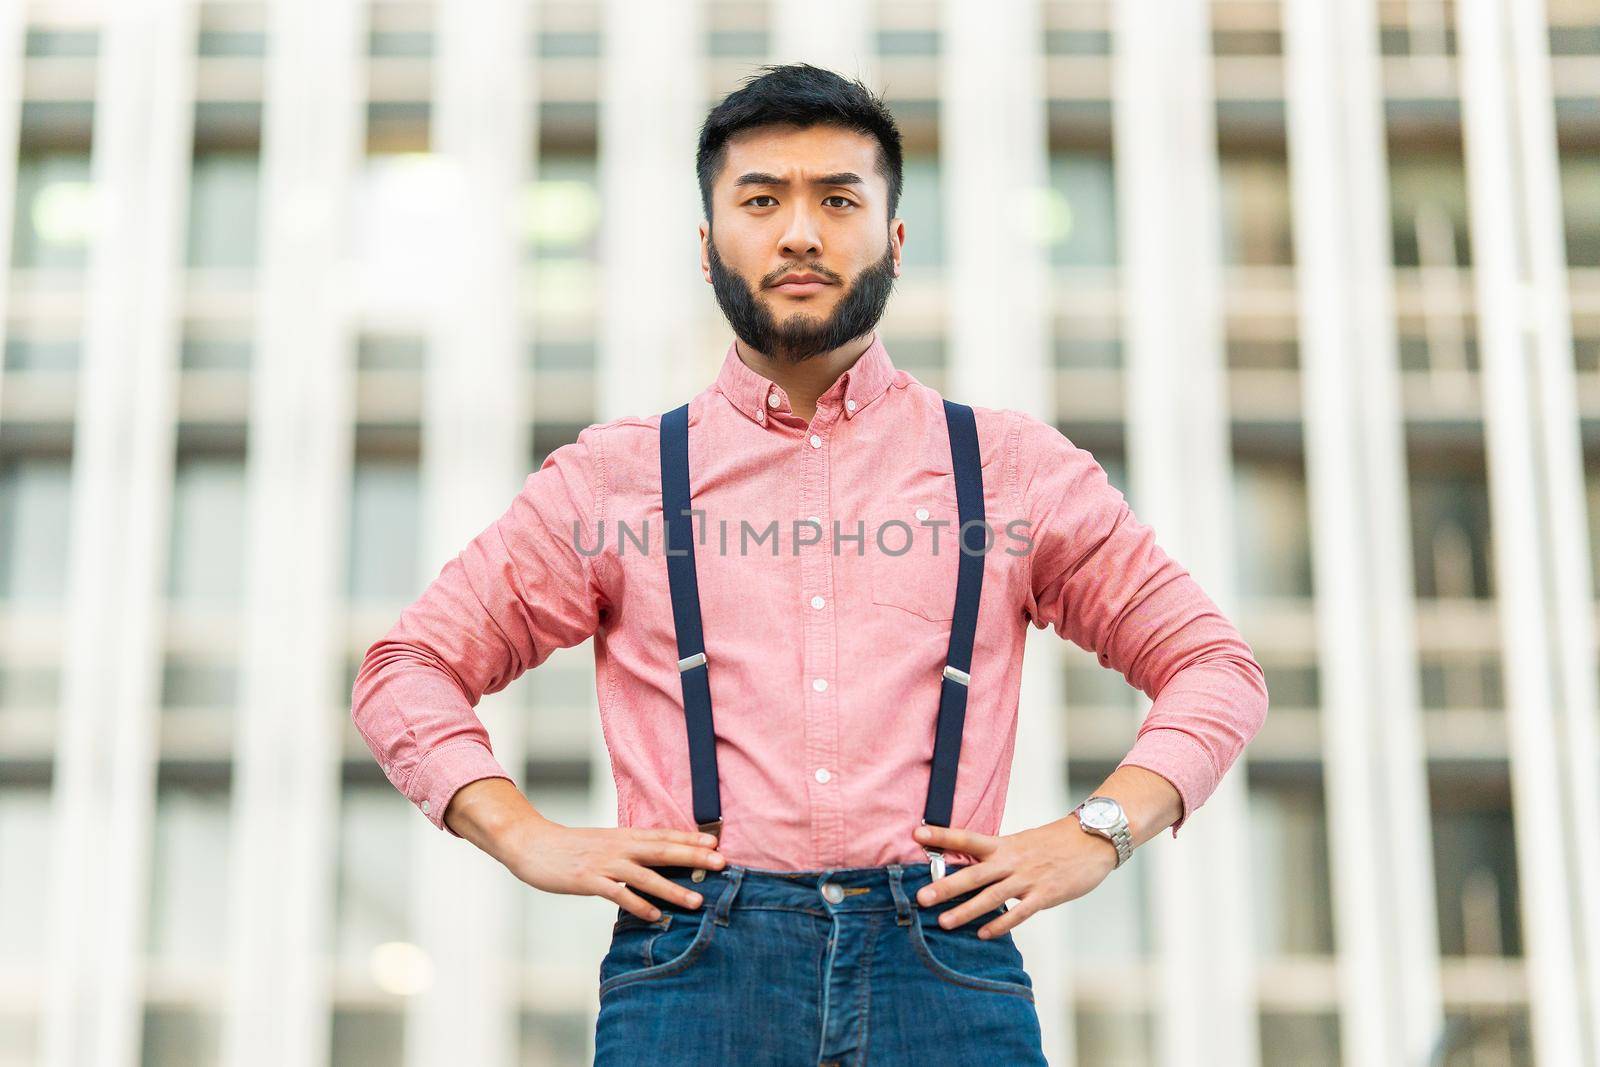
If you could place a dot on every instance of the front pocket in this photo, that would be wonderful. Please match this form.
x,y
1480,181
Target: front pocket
x,y
914,557
641,950
962,958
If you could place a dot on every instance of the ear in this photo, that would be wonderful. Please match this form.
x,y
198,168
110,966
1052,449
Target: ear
x,y
897,240
705,256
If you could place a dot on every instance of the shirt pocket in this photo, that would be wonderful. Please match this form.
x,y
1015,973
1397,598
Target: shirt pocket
x,y
914,553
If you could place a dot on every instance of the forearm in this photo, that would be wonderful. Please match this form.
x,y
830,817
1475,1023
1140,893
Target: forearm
x,y
494,815
1150,802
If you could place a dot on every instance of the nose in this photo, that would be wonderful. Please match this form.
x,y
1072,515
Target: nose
x,y
801,238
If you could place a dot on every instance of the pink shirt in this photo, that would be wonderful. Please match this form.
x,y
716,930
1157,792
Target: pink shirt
x,y
825,650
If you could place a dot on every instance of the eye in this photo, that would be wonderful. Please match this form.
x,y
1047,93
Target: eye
x,y
847,201
753,199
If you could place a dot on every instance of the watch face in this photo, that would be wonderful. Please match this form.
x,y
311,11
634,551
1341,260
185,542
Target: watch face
x,y
1100,812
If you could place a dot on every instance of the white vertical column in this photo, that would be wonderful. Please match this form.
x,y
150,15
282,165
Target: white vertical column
x,y
286,759
11,63
653,97
1537,515
1181,471
475,453
1557,434
835,34
993,138
1375,756
107,751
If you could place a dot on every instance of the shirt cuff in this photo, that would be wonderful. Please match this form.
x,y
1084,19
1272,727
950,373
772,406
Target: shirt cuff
x,y
1181,760
445,770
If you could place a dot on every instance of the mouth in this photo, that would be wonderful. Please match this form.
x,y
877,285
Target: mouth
x,y
800,288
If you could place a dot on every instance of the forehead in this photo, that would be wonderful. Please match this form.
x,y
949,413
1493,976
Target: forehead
x,y
799,155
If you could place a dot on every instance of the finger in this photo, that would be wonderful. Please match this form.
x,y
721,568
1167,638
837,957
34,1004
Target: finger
x,y
953,885
627,900
659,886
972,844
986,901
1005,922
683,837
662,853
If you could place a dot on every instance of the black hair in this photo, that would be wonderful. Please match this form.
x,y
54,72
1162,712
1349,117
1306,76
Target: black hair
x,y
800,95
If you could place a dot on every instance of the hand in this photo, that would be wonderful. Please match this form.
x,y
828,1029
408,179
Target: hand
x,y
604,861
1043,867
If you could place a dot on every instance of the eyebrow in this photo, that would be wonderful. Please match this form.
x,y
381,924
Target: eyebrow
x,y
755,177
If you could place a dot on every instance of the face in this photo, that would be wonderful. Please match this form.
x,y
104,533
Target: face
x,y
805,201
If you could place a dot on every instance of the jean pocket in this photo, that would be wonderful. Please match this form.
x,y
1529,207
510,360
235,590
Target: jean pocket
x,y
641,950
961,957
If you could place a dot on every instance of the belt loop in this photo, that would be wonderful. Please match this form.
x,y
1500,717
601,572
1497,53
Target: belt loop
x,y
725,901
902,905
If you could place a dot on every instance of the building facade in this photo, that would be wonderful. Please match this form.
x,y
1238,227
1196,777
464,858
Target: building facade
x,y
298,292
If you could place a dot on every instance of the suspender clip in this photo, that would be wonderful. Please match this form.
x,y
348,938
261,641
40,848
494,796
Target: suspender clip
x,y
689,663
956,674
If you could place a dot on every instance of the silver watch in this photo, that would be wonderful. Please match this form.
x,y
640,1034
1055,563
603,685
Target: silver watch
x,y
1103,815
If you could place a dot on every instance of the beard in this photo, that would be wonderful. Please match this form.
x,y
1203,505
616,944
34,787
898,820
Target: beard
x,y
801,336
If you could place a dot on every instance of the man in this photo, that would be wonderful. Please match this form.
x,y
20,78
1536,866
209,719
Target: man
x,y
814,873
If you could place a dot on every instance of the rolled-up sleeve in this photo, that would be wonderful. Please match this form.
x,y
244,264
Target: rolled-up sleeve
x,y
524,587
1098,577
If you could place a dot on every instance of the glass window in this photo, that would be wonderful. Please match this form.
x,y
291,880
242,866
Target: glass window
x,y
1580,197
1272,533
368,1037
189,890
1081,220
1292,891
1450,533
54,211
53,354
224,190
50,42
1105,1036
35,502
181,1037
373,906
922,208
391,352
560,209
1475,862
384,536
1428,202
1305,1039
208,517
908,42
25,838
1256,225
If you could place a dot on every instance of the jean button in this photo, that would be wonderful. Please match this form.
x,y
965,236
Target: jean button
x,y
832,892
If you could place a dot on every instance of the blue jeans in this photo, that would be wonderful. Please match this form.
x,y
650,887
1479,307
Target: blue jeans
x,y
829,967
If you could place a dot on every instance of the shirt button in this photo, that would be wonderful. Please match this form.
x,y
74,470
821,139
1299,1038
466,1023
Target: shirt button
x,y
823,776
819,684
922,514
817,602
772,400
424,807
849,405
832,892
816,442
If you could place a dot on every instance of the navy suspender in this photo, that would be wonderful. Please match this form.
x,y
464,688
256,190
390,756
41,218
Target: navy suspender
x,y
693,668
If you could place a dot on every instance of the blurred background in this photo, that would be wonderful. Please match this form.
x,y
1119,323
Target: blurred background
x,y
298,292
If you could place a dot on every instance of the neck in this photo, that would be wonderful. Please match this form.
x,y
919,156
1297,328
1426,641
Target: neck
x,y
808,379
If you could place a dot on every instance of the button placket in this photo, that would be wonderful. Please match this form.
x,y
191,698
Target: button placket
x,y
819,656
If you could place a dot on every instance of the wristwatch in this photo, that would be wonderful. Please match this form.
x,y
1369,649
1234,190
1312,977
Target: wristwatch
x,y
1103,815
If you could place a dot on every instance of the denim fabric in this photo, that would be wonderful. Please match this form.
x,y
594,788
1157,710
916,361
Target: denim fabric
x,y
770,971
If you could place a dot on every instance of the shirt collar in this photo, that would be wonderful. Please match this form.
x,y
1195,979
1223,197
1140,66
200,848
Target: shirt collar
x,y
857,386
